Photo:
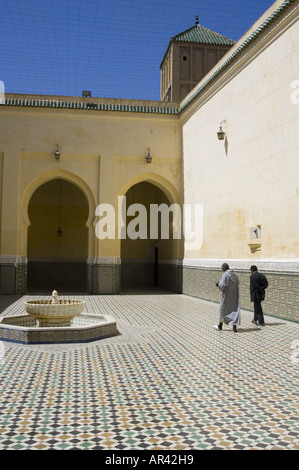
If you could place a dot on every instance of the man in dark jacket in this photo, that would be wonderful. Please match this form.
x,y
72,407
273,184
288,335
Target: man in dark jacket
x,y
258,284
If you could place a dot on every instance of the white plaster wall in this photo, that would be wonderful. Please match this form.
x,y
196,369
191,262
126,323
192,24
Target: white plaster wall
x,y
252,177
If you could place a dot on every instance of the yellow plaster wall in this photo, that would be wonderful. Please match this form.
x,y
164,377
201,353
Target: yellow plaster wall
x,y
1,188
103,153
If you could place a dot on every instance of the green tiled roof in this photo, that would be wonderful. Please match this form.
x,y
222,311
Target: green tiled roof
x,y
202,35
128,108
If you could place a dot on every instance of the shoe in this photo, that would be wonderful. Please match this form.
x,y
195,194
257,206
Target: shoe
x,y
254,321
235,328
261,324
220,326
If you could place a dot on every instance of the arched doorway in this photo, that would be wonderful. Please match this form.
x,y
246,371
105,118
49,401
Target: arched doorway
x,y
142,257
57,243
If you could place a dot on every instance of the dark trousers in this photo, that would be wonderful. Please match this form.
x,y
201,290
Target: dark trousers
x,y
258,311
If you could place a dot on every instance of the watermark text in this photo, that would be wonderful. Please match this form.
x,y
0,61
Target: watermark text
x,y
295,93
156,221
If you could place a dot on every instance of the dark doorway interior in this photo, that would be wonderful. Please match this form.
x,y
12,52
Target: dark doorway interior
x,y
57,239
66,278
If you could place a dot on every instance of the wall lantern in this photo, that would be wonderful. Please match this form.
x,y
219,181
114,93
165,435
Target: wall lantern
x,y
57,154
221,134
148,157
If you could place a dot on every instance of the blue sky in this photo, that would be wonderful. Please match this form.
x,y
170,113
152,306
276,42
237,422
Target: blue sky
x,y
112,48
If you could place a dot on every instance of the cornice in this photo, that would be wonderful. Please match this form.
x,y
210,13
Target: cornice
x,y
89,106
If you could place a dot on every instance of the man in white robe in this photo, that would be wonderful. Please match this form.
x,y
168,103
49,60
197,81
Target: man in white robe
x,y
229,310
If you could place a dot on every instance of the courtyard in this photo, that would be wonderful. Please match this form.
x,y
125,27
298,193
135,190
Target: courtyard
x,y
169,381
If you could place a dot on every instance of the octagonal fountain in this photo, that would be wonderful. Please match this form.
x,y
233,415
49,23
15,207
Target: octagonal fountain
x,y
56,321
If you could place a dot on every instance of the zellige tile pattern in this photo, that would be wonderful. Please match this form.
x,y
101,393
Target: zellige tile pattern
x,y
170,381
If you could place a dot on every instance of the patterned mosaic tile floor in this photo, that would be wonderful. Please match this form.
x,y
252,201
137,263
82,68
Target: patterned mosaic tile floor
x,y
170,381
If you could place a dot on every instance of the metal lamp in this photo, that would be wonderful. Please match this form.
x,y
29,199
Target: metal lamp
x,y
221,133
148,157
57,154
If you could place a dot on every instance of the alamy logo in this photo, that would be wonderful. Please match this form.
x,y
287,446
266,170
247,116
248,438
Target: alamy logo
x,y
295,94
166,222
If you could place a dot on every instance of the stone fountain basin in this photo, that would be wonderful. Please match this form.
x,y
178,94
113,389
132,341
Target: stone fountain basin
x,y
54,314
86,327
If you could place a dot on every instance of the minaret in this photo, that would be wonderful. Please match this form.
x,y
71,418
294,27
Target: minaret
x,y
189,57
